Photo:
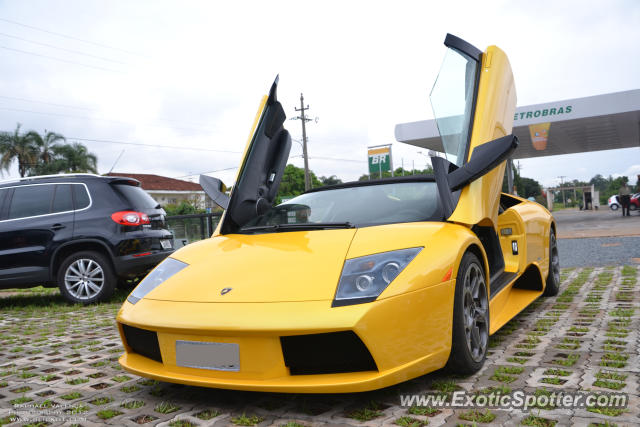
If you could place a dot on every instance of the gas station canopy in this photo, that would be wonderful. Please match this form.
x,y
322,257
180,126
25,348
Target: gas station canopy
x,y
601,122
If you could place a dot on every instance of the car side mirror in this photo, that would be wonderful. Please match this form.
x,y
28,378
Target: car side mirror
x,y
216,190
450,178
484,158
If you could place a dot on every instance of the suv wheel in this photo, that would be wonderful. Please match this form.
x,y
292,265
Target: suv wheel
x,y
86,277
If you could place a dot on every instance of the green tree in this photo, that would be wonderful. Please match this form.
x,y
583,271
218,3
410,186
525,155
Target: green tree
x,y
68,158
14,146
529,188
330,180
397,172
292,183
46,144
182,208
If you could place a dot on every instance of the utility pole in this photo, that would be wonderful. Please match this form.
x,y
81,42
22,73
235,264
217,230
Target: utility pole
x,y
304,119
562,177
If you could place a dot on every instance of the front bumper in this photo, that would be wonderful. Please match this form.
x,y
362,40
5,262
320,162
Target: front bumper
x,y
407,336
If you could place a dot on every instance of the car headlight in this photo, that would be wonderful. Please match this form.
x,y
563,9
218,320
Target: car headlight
x,y
364,278
162,272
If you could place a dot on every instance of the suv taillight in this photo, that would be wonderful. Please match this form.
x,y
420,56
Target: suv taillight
x,y
131,218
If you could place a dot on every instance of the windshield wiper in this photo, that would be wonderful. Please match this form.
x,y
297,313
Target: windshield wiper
x,y
294,227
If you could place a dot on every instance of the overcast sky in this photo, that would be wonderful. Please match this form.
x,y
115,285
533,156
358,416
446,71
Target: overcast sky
x,y
190,74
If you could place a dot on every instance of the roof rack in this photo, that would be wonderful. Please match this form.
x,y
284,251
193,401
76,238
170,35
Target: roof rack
x,y
29,178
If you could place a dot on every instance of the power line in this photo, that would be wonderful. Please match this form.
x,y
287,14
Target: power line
x,y
70,37
96,118
221,170
174,147
336,159
75,107
204,173
63,49
47,103
139,144
61,60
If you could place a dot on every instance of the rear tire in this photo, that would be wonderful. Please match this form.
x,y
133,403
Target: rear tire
x,y
614,207
86,277
553,279
470,336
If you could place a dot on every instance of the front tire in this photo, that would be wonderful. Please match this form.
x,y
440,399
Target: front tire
x,y
86,277
470,318
553,279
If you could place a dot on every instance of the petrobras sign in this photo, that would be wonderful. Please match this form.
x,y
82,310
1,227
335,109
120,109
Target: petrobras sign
x,y
379,159
543,112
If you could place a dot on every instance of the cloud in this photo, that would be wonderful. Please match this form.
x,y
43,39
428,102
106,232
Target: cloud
x,y
199,69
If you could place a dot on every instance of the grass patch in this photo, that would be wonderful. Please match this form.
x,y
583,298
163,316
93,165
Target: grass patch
x,y
410,422
445,386
427,411
505,374
132,404
613,385
477,416
247,420
605,375
20,400
121,378
77,381
182,423
605,410
105,414
99,401
622,312
553,380
532,420
207,414
71,396
569,360
166,407
557,372
372,410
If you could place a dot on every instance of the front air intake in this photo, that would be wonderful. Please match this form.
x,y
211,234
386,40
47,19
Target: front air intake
x,y
328,353
143,342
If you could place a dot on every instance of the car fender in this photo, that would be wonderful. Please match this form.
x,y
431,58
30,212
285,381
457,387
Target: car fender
x,y
78,242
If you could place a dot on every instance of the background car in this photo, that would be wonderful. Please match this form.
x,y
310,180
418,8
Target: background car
x,y
81,232
613,202
634,202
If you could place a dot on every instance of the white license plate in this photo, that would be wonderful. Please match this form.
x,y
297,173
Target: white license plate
x,y
218,356
166,244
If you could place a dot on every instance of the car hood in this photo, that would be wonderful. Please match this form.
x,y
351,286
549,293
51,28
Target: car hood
x,y
270,267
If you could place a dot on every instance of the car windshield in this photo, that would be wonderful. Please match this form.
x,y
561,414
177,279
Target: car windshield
x,y
358,205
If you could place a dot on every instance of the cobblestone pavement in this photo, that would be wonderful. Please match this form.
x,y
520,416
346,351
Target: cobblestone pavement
x,y
60,361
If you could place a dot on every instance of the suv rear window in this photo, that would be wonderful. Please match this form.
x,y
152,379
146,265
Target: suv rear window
x,y
62,201
81,196
138,198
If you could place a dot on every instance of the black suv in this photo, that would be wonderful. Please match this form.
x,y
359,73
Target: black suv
x,y
82,232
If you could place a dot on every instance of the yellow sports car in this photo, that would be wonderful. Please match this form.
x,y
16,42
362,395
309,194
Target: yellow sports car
x,y
356,286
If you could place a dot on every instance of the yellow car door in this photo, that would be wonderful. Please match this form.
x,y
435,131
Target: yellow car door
x,y
264,159
474,101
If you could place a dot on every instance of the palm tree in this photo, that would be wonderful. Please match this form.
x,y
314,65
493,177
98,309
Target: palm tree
x,y
76,158
20,147
45,145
